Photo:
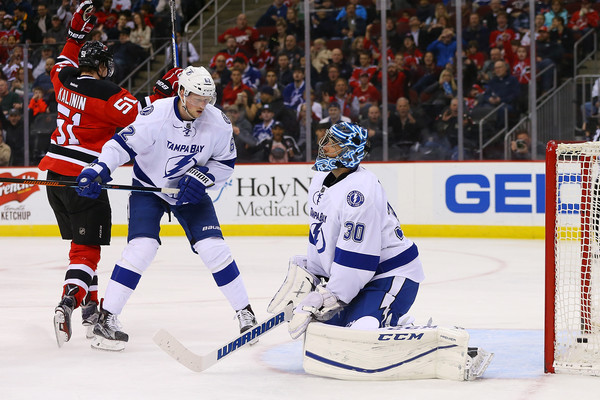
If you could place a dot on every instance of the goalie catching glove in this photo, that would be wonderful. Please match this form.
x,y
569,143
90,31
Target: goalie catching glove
x,y
83,22
91,178
320,305
192,186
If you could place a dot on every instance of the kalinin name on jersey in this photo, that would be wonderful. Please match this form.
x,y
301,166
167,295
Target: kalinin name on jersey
x,y
184,148
71,99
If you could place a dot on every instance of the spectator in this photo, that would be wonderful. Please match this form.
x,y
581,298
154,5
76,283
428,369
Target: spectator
x,y
230,52
556,10
373,124
410,52
323,23
424,10
122,5
405,131
293,93
43,79
520,17
244,35
351,25
233,89
262,131
284,70
563,36
42,20
8,99
292,50
397,83
502,89
123,24
280,148
271,81
547,49
502,33
294,25
37,104
4,152
150,4
326,87
261,59
18,84
418,34
250,75
348,103
106,15
38,59
365,67
277,39
242,134
487,72
8,28
425,74
126,55
489,19
444,48
277,10
15,61
334,115
585,18
320,55
444,143
141,34
475,55
438,95
538,23
221,76
247,103
57,31
14,137
366,93
521,147
337,59
192,54
590,108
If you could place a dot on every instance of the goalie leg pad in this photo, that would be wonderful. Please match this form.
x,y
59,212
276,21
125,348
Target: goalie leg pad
x,y
297,284
408,352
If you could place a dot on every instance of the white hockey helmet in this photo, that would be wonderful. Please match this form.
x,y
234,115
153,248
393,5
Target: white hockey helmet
x,y
199,81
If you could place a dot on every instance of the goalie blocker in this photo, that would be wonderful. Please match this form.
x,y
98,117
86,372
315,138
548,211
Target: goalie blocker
x,y
398,353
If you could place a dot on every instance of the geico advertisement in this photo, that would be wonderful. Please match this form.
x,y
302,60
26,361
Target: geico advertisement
x,y
435,193
509,193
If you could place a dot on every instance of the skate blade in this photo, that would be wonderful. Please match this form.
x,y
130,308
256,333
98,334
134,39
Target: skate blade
x,y
100,343
480,365
61,335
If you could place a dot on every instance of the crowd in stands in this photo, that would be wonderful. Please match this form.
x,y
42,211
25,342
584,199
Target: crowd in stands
x,y
260,70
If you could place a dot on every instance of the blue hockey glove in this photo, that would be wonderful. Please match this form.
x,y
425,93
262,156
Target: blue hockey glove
x,y
192,186
91,178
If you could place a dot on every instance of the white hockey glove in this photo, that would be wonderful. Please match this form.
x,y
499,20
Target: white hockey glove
x,y
319,305
193,185
298,283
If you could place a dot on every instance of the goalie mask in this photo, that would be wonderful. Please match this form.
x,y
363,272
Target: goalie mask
x,y
94,54
353,143
199,81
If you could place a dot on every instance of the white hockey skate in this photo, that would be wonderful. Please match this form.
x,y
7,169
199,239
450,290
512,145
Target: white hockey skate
x,y
107,333
247,320
477,362
89,317
62,320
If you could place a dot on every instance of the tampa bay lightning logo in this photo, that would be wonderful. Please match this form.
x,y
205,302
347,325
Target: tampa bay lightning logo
x,y
355,198
148,110
316,237
317,197
176,166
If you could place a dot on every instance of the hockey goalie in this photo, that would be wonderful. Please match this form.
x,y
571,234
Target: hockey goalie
x,y
352,292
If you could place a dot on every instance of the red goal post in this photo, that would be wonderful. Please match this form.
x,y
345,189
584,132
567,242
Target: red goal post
x,y
572,300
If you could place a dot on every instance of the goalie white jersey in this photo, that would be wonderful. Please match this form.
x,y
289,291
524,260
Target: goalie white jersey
x,y
172,146
355,236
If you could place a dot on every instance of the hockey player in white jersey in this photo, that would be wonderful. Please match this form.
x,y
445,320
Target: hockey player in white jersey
x,y
182,142
360,271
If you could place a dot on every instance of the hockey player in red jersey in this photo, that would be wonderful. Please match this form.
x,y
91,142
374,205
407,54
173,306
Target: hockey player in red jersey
x,y
90,109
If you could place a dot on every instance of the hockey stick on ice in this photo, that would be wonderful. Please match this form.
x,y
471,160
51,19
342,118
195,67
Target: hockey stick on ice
x,y
74,184
199,363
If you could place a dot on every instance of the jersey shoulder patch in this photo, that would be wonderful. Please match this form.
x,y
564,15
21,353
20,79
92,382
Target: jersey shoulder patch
x,y
355,198
226,118
147,110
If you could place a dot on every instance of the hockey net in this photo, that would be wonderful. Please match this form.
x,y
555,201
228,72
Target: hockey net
x,y
572,321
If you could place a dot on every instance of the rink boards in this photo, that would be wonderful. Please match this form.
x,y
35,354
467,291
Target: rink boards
x,y
441,199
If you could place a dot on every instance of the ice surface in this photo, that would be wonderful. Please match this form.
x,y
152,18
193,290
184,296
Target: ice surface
x,y
494,288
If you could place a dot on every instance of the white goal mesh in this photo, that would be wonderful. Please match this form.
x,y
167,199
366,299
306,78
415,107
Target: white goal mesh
x,y
573,260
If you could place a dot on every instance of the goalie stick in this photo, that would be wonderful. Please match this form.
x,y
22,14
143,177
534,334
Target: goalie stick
x,y
199,363
74,184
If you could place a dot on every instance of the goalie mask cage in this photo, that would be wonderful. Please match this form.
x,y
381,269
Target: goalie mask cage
x,y
572,320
